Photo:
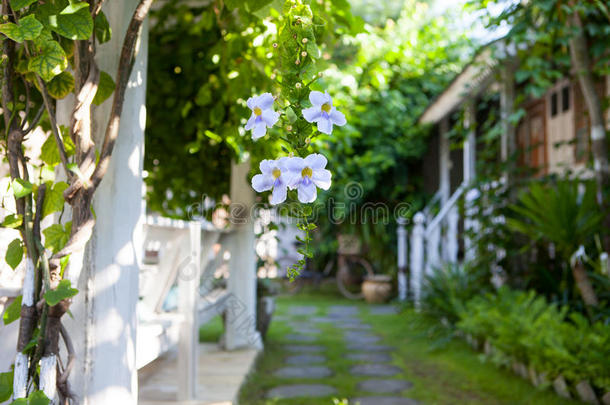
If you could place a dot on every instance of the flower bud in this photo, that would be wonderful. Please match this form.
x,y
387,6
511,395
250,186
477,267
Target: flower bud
x,y
272,77
297,62
275,45
298,85
304,40
303,54
288,128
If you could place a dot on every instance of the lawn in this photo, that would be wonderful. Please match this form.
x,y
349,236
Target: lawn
x,y
447,373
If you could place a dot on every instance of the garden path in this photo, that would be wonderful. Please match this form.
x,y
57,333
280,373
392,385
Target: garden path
x,y
307,361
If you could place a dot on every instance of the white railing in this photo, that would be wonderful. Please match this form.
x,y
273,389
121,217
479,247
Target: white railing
x,y
435,239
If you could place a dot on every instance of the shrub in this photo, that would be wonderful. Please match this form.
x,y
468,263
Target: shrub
x,y
523,326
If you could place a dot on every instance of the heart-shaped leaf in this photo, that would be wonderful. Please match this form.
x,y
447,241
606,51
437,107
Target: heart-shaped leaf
x,y
56,236
6,386
64,290
14,253
21,188
78,25
12,221
102,29
50,62
104,89
61,85
38,398
28,28
12,313
54,198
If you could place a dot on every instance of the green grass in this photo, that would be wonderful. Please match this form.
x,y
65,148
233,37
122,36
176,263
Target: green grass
x,y
211,331
441,374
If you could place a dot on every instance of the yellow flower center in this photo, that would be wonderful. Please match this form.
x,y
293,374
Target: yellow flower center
x,y
326,108
276,173
257,111
307,172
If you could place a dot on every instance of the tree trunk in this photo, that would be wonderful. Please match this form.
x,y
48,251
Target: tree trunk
x,y
579,53
584,284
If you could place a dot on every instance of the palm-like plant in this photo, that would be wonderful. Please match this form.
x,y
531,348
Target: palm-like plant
x,y
560,214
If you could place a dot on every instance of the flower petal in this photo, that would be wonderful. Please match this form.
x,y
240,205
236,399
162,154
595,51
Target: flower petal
x,y
318,98
321,178
312,114
260,129
295,164
325,125
250,123
307,193
270,117
267,166
279,194
265,101
316,161
252,102
337,117
262,182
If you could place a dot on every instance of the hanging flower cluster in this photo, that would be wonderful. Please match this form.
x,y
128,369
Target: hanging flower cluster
x,y
302,113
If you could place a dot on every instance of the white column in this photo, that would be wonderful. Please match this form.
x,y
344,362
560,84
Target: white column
x,y
401,236
188,296
453,218
471,225
433,244
241,305
104,325
470,146
444,161
417,256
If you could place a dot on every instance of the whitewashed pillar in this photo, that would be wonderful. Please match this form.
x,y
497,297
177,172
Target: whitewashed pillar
x,y
444,161
241,306
401,234
104,322
417,256
471,225
433,244
470,147
453,218
188,296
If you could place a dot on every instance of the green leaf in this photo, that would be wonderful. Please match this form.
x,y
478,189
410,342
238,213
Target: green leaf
x,y
11,314
56,236
38,398
12,221
49,153
54,198
64,290
6,386
102,29
21,188
61,85
104,88
78,25
20,401
14,253
19,4
50,62
73,7
28,28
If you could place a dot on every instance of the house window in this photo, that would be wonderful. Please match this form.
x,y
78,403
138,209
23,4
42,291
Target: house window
x,y
565,99
554,102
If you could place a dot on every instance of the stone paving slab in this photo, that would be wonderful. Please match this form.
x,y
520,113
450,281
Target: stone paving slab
x,y
295,337
304,329
357,334
384,401
305,359
384,386
359,347
302,310
363,339
375,370
303,372
372,357
384,310
322,319
344,310
354,325
303,348
301,390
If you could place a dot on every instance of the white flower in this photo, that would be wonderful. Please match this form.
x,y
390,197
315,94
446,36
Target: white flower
x,y
323,113
274,176
263,116
307,174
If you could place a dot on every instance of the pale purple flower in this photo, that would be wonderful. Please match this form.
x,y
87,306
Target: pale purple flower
x,y
323,113
307,174
263,116
274,176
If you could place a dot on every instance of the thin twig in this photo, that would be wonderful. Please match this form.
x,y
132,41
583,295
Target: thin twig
x,y
35,121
